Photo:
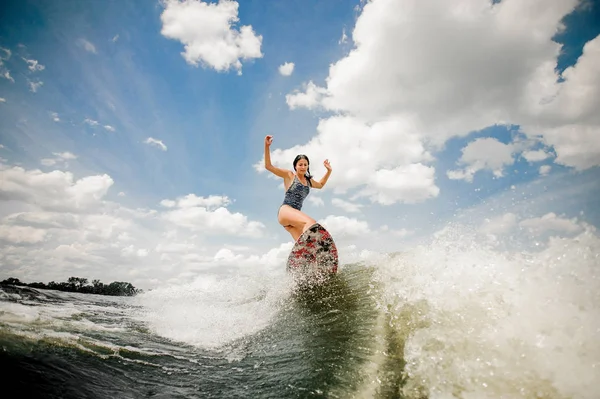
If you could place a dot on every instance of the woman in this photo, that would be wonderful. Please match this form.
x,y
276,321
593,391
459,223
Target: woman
x,y
297,185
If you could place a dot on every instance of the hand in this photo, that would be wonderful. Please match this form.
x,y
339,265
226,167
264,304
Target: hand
x,y
326,164
268,140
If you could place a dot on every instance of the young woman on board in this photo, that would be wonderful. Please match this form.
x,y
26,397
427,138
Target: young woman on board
x,y
297,185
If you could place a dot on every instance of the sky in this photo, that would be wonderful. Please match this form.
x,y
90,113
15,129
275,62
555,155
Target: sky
x,y
132,133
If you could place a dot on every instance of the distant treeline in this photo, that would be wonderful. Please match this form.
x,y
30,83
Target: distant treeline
x,y
78,284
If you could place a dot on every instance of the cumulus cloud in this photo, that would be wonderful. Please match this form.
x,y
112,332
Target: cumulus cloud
x,y
286,69
409,184
70,228
109,128
310,98
156,143
208,34
386,161
342,227
451,68
209,214
54,190
481,154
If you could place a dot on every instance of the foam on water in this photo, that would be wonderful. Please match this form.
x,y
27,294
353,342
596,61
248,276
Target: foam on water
x,y
482,323
213,310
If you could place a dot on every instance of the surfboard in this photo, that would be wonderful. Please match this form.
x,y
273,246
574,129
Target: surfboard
x,y
314,254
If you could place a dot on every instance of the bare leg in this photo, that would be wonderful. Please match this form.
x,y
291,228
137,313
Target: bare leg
x,y
294,231
294,221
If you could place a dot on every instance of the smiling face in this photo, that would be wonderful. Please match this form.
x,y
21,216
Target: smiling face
x,y
301,165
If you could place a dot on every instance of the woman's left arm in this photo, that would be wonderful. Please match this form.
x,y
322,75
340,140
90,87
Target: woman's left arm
x,y
321,183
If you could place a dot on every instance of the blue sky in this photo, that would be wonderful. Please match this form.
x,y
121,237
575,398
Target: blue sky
x,y
402,92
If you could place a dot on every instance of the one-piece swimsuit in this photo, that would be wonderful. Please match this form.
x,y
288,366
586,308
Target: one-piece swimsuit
x,y
295,194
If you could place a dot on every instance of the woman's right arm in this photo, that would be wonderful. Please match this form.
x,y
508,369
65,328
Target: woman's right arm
x,y
268,165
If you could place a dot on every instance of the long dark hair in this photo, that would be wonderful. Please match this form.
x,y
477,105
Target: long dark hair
x,y
307,175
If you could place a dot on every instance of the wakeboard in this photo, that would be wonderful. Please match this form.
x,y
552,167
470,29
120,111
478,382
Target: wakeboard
x,y
314,254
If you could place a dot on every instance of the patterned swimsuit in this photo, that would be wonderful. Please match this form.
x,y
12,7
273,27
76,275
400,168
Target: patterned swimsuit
x,y
295,195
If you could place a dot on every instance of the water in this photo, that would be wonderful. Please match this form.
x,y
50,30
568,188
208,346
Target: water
x,y
455,318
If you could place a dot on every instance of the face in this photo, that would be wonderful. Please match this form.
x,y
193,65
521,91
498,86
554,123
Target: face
x,y
302,166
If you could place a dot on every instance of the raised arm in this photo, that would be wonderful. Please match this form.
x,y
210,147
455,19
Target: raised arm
x,y
321,183
268,165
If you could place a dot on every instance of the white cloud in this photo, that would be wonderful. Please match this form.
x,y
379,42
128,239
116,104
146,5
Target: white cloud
x,y
6,56
209,215
481,154
286,69
385,159
109,128
550,222
132,251
2,100
168,203
55,117
210,202
121,194
115,38
535,156
207,33
156,143
316,201
60,157
6,75
34,86
451,68
566,112
343,227
545,169
76,230
21,234
410,184
347,206
344,38
33,65
55,190
87,45
310,98
90,122
65,155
